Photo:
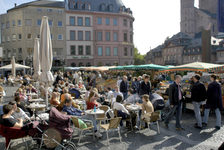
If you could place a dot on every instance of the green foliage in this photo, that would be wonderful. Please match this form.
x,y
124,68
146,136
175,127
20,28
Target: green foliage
x,y
139,59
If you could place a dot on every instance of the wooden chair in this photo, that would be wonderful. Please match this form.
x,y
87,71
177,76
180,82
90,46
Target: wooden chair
x,y
128,119
114,124
154,118
89,127
103,117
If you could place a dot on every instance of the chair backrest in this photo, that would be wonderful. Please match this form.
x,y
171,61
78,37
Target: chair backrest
x,y
155,116
75,121
105,109
114,123
115,112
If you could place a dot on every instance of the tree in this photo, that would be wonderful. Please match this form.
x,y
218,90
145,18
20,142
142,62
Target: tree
x,y
139,59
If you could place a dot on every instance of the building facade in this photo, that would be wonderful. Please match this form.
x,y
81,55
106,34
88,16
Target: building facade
x,y
99,33
83,32
21,25
194,20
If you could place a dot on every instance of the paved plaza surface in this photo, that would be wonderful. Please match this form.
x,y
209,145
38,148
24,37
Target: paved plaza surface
x,y
168,139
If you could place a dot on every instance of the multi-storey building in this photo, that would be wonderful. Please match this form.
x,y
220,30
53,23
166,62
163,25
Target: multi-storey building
x,y
99,33
83,32
21,25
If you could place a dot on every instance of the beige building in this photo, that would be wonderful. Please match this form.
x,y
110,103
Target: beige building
x,y
21,25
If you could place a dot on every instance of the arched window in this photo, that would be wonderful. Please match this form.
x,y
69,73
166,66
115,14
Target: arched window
x,y
80,64
83,6
110,8
88,64
73,64
102,7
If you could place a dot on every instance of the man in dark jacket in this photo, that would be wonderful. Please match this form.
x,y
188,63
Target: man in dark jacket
x,y
214,102
124,87
145,86
175,98
198,96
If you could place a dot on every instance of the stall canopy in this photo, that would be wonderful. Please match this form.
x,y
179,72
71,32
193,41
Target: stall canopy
x,y
196,66
17,66
216,69
72,68
140,67
104,68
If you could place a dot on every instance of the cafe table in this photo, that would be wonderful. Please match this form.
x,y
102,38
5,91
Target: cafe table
x,y
36,107
97,112
36,100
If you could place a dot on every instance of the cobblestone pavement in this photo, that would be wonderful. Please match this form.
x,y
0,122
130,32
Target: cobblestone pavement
x,y
169,139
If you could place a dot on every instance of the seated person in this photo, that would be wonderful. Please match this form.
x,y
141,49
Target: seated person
x,y
64,96
55,99
157,101
70,110
31,89
121,110
92,100
18,112
110,93
132,98
22,95
21,105
117,92
147,109
81,86
7,120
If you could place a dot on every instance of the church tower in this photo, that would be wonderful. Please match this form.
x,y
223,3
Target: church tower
x,y
188,21
209,5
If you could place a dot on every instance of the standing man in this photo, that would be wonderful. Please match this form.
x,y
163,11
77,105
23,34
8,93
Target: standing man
x,y
175,98
124,87
198,96
214,102
145,86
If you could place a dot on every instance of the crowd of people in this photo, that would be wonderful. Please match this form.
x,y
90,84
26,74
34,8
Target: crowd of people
x,y
128,90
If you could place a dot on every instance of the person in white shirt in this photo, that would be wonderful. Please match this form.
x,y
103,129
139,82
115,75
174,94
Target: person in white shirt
x,y
121,110
117,92
18,112
110,93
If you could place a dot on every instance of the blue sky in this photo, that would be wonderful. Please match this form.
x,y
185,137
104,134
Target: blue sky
x,y
154,20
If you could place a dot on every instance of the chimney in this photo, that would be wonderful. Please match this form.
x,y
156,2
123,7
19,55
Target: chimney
x,y
15,4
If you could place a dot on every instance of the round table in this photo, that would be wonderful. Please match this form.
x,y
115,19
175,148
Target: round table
x,y
34,108
91,112
36,100
133,107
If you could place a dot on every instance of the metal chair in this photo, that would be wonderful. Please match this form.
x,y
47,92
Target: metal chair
x,y
89,127
114,124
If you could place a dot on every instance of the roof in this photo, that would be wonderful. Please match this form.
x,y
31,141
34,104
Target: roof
x,y
113,6
41,3
180,35
195,43
214,16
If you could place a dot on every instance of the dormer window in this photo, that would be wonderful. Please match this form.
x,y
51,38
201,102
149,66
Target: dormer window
x,y
102,7
110,8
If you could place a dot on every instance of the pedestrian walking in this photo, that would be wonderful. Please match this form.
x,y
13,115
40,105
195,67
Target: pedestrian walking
x,y
124,87
175,98
198,96
214,102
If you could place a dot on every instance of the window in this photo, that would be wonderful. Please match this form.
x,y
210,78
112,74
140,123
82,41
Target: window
x,y
72,50
19,23
3,38
28,22
107,36
125,22
38,35
13,23
72,21
100,51
29,36
99,20
20,50
80,21
19,36
60,11
87,35
60,23
80,35
108,51
7,24
14,37
115,37
73,64
99,36
87,21
2,26
131,24
115,21
38,22
81,64
131,52
125,51
51,36
49,10
125,37
72,35
107,21
115,51
50,23
88,50
131,38
80,48
60,37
